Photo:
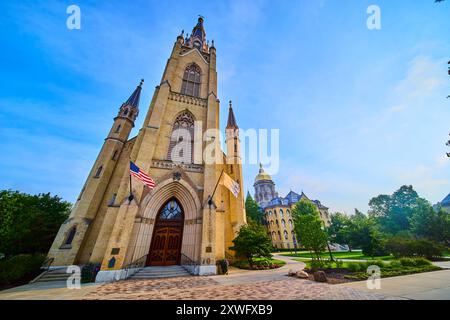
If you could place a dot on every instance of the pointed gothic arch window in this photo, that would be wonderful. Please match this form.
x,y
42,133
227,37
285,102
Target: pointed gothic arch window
x,y
114,157
191,81
118,128
181,145
70,236
99,172
171,211
286,235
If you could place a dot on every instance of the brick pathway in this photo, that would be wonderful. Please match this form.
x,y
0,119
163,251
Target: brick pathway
x,y
206,288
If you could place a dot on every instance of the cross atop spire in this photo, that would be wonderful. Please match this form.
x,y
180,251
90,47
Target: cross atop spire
x,y
232,124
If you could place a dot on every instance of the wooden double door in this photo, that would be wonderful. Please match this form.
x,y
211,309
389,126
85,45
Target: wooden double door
x,y
165,249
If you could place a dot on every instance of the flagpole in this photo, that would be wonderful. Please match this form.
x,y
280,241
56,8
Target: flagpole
x,y
130,197
214,192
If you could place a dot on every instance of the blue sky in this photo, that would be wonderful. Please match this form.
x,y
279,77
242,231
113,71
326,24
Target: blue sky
x,y
360,112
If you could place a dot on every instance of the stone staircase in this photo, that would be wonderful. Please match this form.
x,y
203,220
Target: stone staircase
x,y
52,276
161,272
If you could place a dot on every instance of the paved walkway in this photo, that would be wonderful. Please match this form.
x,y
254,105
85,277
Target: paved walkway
x,y
243,285
423,286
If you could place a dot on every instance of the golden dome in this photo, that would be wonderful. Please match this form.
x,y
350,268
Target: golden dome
x,y
262,175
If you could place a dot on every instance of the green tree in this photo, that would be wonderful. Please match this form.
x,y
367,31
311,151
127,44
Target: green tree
x,y
364,234
339,230
393,212
309,227
29,223
427,223
253,210
252,241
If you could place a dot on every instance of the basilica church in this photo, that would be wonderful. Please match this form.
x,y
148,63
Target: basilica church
x,y
188,218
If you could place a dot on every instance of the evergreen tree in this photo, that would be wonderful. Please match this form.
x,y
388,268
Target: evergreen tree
x,y
253,211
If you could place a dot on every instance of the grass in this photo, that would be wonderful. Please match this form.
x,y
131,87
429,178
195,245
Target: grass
x,y
354,255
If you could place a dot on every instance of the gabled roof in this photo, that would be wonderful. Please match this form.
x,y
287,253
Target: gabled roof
x,y
446,201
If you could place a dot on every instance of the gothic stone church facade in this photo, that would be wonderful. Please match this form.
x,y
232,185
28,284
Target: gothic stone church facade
x,y
175,222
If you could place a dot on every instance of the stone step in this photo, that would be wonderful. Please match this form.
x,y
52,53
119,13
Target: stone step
x,y
161,272
50,275
43,279
162,269
159,276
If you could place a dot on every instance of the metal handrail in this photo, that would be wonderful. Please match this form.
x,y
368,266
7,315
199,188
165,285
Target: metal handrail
x,y
188,264
186,261
138,263
47,263
45,267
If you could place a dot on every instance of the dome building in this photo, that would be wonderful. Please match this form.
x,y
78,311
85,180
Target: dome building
x,y
264,188
277,211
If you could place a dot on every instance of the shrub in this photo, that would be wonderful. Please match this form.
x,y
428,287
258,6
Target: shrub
x,y
395,264
18,267
89,272
355,266
378,263
404,247
223,266
339,264
414,262
316,264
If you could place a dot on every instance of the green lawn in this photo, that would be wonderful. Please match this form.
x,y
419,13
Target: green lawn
x,y
355,255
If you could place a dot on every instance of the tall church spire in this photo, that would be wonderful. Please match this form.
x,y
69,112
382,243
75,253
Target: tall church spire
x,y
232,124
133,100
198,37
130,109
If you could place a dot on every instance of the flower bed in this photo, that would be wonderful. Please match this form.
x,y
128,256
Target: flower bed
x,y
357,271
260,264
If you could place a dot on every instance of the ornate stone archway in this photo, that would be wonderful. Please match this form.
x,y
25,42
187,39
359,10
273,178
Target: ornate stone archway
x,y
144,224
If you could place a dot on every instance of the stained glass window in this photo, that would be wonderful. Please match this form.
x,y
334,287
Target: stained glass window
x,y
182,137
191,81
171,211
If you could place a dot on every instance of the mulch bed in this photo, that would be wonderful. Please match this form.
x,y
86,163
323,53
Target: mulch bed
x,y
334,276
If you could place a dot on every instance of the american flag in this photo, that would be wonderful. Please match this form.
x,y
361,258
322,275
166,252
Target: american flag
x,y
141,175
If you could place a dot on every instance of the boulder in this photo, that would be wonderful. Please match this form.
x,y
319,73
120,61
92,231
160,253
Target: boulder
x,y
320,276
292,273
302,275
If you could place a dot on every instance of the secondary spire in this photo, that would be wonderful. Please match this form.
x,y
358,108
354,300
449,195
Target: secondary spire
x,y
232,124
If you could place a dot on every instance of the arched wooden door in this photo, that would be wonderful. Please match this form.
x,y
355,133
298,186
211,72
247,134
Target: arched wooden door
x,y
165,249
